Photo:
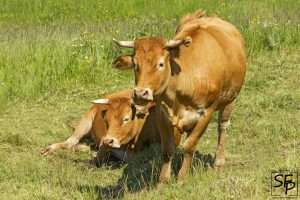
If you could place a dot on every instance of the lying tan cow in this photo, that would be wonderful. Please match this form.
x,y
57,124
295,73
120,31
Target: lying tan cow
x,y
198,72
115,128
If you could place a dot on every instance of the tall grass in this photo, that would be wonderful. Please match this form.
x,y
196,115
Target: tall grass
x,y
65,45
56,55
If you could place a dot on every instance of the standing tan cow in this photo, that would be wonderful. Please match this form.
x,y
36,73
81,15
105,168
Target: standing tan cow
x,y
115,128
198,72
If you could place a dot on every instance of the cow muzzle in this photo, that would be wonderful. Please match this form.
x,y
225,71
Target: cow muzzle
x,y
142,95
110,143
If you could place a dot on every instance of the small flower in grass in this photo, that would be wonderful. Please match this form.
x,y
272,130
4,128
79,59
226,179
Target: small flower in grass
x,y
254,21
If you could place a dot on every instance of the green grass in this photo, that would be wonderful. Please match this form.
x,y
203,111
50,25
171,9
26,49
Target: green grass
x,y
55,56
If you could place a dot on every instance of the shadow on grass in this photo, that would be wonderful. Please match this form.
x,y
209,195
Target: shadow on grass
x,y
111,163
143,172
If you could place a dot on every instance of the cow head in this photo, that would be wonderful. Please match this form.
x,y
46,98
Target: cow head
x,y
122,124
151,63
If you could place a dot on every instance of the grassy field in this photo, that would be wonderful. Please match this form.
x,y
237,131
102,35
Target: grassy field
x,y
56,55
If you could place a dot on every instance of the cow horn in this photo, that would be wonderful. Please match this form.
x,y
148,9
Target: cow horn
x,y
129,44
175,43
100,101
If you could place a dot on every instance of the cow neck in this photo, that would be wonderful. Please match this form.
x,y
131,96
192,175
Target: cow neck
x,y
169,94
137,133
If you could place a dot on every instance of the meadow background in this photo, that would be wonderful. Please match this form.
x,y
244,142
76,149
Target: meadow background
x,y
56,55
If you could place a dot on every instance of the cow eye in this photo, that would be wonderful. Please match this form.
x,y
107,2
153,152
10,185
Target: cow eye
x,y
126,119
160,63
160,66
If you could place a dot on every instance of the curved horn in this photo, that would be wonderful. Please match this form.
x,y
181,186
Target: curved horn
x,y
100,101
129,44
175,43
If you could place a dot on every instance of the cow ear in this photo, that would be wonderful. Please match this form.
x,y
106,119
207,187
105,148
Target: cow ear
x,y
103,113
123,63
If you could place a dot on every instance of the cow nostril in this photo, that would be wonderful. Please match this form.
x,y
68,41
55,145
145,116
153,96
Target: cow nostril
x,y
108,142
145,93
134,93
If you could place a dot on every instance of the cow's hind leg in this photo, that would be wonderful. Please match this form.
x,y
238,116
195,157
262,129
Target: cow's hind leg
x,y
223,125
190,144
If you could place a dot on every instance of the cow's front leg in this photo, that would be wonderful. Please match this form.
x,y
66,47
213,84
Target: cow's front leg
x,y
69,143
83,128
190,144
166,131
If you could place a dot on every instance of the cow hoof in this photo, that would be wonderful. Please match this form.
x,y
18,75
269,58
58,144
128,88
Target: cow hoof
x,y
164,179
217,167
47,151
182,175
218,164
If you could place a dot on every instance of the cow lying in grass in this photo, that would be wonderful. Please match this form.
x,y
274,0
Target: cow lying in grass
x,y
115,128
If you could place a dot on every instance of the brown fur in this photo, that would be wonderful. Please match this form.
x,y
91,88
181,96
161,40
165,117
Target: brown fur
x,y
94,123
195,80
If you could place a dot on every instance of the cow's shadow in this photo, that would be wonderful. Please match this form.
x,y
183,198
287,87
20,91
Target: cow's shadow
x,y
143,172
